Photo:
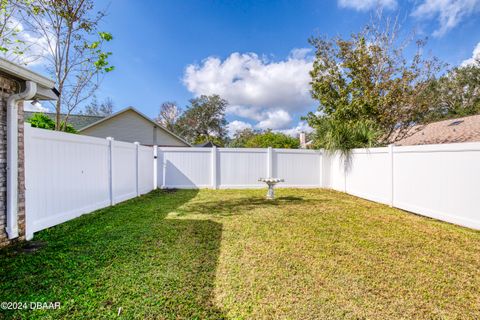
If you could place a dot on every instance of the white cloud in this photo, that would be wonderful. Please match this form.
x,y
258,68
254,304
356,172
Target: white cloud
x,y
475,59
36,107
365,5
35,46
274,120
256,88
448,12
302,126
237,125
300,53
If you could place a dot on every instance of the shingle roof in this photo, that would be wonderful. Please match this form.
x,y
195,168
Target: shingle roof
x,y
78,121
466,129
208,144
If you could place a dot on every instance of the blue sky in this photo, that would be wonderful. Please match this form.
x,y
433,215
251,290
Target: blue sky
x,y
250,52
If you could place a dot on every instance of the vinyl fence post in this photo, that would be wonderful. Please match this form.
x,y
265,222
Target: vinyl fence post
x,y
164,171
390,154
269,162
155,167
137,144
110,170
320,177
214,167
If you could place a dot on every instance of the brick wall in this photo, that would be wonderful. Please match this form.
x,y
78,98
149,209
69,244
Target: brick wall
x,y
7,87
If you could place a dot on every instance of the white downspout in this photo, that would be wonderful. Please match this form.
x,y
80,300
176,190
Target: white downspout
x,y
12,156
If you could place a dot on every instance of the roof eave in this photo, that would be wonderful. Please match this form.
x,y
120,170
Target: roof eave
x,y
46,93
25,74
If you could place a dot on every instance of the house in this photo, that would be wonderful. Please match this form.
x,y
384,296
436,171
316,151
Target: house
x,y
466,129
17,84
131,125
77,121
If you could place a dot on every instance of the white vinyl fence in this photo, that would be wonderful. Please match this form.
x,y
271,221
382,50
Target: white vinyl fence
x,y
438,181
67,175
237,167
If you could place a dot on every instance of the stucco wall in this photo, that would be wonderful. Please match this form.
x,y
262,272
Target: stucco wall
x,y
7,87
131,127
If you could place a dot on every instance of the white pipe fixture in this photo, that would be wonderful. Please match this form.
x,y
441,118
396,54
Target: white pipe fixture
x,y
12,156
36,87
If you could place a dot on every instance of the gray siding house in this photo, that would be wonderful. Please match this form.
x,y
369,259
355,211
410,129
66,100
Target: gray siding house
x,y
130,125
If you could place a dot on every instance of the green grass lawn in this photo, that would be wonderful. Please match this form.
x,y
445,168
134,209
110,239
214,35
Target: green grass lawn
x,y
213,254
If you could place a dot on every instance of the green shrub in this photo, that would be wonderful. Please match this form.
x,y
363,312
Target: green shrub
x,y
40,120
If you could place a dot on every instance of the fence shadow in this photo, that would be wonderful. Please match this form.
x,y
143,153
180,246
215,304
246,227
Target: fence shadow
x,y
242,205
126,260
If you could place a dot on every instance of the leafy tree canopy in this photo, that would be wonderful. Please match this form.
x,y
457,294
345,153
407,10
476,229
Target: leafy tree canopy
x,y
369,93
74,52
168,115
254,139
241,137
456,94
12,44
204,120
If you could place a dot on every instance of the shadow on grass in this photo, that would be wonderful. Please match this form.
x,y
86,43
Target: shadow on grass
x,y
127,260
240,205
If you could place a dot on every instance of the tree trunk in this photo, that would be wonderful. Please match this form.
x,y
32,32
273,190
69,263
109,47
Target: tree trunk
x,y
58,110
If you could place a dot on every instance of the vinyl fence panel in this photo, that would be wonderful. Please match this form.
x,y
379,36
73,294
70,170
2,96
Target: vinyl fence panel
x,y
67,175
334,165
185,167
299,168
241,168
145,169
439,181
237,167
368,174
124,171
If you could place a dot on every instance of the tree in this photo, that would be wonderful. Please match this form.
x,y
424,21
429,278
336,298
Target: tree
x,y
39,120
241,137
340,135
74,48
456,94
103,109
249,138
12,46
272,139
204,120
369,92
168,115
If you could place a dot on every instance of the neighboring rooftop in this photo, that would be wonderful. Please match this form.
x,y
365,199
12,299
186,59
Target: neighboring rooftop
x,y
78,121
466,129
208,144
